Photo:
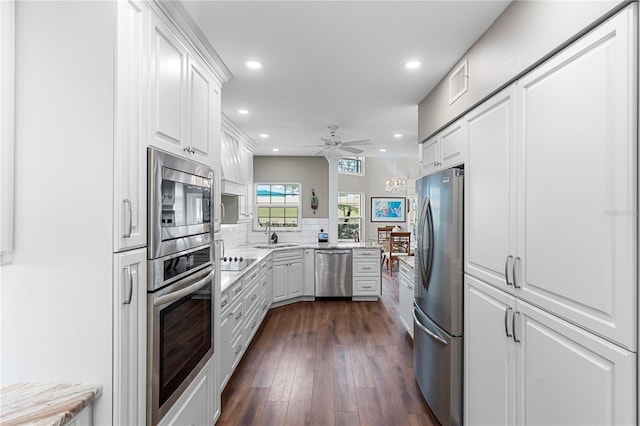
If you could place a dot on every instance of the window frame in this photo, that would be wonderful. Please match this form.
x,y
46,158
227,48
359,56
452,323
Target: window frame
x,y
256,222
361,218
357,158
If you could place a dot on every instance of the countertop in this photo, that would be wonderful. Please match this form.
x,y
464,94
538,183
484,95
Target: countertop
x,y
249,251
408,260
44,404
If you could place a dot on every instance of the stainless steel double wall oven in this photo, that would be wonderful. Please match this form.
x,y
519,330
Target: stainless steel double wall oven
x,y
180,288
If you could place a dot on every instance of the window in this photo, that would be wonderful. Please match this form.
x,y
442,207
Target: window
x,y
278,204
351,165
349,215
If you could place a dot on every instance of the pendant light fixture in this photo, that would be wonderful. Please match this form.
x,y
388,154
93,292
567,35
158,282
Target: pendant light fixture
x,y
394,183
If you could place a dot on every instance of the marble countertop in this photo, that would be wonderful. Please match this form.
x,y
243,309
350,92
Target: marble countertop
x,y
44,404
408,260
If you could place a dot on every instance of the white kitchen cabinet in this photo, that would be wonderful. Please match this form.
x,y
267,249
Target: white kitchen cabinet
x,y
489,356
577,183
130,337
224,350
130,144
526,366
406,297
367,279
553,221
195,405
446,149
489,179
288,276
168,85
309,272
202,95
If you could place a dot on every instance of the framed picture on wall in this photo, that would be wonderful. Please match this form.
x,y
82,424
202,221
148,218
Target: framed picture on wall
x,y
388,209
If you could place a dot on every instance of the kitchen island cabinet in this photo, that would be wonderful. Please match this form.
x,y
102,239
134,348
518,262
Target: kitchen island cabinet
x,y
405,293
367,278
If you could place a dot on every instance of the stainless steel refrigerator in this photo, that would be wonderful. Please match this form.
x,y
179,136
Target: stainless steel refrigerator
x,y
438,291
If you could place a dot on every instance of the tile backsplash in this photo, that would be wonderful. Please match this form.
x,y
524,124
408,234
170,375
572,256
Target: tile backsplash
x,y
242,233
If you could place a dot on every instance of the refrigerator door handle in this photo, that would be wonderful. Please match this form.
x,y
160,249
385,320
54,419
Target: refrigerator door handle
x,y
427,331
421,266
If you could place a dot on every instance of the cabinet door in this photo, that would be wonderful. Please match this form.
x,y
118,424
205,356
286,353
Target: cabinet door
x,y
295,280
567,375
490,355
309,272
200,111
224,353
130,343
405,298
430,156
130,153
168,68
489,175
279,281
453,142
577,162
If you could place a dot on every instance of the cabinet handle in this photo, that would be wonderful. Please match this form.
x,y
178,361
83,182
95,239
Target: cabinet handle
x,y
126,202
239,316
506,269
130,281
230,314
254,297
514,271
367,268
254,275
366,286
253,325
513,326
238,350
237,290
187,149
506,322
224,303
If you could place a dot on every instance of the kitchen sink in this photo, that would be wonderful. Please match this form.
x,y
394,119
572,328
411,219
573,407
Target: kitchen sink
x,y
273,246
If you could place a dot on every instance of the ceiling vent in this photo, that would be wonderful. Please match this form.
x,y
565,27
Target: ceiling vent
x,y
458,82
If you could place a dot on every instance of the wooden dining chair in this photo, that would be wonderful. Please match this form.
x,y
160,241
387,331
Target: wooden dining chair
x,y
383,240
399,245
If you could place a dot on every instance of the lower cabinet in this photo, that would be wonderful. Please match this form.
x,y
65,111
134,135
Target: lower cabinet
x,y
526,366
224,352
367,280
195,406
129,337
309,272
288,276
405,297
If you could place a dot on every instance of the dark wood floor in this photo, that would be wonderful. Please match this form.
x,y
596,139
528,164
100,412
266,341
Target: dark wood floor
x,y
329,362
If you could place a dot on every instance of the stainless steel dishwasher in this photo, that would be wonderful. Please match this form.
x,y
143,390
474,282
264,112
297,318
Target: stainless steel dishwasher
x,y
334,277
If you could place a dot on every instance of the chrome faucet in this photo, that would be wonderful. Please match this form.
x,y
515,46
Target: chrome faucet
x,y
267,231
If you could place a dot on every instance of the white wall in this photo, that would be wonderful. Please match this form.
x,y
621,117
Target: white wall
x,y
524,34
56,296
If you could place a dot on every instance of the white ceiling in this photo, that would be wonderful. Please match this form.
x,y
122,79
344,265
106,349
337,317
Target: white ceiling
x,y
337,63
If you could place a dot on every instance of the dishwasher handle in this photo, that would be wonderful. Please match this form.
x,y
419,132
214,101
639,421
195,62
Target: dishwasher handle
x,y
333,251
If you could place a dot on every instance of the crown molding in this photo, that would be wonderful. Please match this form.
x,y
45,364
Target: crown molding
x,y
176,13
233,130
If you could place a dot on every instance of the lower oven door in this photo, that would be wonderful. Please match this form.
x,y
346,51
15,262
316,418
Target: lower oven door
x,y
180,338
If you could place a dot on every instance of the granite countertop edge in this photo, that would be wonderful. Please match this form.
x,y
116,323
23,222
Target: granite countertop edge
x,y
44,403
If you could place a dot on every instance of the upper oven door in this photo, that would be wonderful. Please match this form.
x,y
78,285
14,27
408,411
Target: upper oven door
x,y
180,201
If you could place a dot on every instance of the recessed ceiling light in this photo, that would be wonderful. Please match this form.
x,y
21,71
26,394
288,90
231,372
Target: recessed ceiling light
x,y
275,149
412,64
243,111
264,135
254,65
383,150
397,135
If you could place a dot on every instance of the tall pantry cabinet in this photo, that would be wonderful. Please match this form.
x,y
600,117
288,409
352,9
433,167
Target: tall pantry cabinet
x,y
168,96
551,292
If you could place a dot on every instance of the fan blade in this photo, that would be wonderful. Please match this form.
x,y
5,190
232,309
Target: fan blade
x,y
327,141
320,152
349,149
358,142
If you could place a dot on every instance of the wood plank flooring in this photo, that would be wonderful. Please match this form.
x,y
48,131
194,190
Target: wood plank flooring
x,y
328,362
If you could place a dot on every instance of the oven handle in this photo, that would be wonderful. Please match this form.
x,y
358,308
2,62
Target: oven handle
x,y
172,297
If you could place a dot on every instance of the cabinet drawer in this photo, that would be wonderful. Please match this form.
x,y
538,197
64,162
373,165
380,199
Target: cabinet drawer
x,y
235,291
224,303
252,298
366,253
237,348
235,316
366,286
287,255
252,325
366,267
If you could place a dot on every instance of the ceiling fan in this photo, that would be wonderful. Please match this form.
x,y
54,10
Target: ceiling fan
x,y
334,143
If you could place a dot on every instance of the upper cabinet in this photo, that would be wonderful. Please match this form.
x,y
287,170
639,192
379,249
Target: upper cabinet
x,y
446,149
185,98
